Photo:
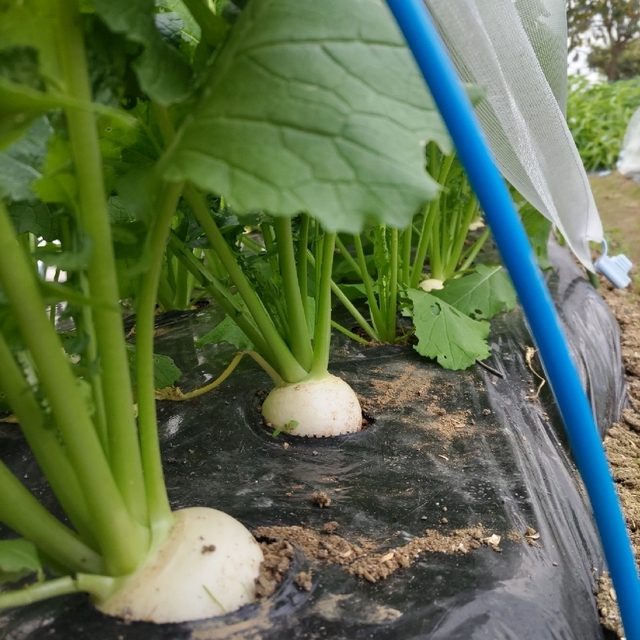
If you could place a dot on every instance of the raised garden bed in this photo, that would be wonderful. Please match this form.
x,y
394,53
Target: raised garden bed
x,y
459,512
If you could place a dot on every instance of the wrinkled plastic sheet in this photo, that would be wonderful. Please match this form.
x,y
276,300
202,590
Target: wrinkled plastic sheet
x,y
509,470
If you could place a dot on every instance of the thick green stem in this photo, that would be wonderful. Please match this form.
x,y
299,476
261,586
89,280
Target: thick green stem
x,y
430,217
44,444
20,511
435,258
357,316
322,334
376,315
355,337
270,246
392,311
348,257
221,295
84,322
407,238
160,516
213,27
166,294
122,542
184,287
37,592
301,263
286,365
299,339
124,451
461,235
470,255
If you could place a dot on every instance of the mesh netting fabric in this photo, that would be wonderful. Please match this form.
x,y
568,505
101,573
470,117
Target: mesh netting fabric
x,y
517,51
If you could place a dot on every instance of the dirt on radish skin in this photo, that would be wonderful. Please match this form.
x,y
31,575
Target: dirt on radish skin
x,y
314,408
207,566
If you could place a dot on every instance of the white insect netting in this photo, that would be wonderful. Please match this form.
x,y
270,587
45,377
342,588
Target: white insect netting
x,y
517,50
629,163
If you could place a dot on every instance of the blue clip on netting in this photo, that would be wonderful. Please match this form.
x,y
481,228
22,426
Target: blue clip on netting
x,y
614,268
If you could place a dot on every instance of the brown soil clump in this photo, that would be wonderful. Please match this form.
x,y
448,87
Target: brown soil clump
x,y
321,499
366,559
276,563
608,606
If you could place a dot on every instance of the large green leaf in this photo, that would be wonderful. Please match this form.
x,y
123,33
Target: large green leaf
x,y
318,107
162,72
483,294
445,333
28,54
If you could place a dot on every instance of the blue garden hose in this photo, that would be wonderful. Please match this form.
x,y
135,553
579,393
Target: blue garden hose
x,y
513,244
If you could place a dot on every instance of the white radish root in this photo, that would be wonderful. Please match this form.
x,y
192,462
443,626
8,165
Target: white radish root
x,y
314,408
206,567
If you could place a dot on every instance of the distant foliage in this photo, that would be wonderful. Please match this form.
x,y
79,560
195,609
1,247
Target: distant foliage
x,y
598,115
609,28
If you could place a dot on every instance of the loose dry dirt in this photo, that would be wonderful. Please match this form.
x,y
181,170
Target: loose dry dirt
x,y
618,201
622,442
363,558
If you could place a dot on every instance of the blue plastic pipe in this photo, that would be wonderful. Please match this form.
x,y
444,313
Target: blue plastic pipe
x,y
513,244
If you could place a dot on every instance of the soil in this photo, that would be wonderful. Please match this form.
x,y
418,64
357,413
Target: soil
x,y
618,201
413,384
362,558
622,442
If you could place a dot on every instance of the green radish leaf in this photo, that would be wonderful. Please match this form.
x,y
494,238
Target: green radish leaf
x,y
58,181
162,72
445,333
20,163
226,331
36,218
480,295
68,260
119,212
381,252
169,24
28,54
18,558
538,229
315,107
311,314
189,30
27,25
165,372
19,107
353,291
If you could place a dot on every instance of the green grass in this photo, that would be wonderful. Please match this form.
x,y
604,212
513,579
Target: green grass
x,y
597,115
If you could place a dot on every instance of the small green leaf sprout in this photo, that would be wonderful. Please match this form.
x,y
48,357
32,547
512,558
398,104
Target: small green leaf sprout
x,y
286,428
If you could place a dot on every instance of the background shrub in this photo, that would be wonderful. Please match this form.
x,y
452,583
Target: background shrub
x,y
598,115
